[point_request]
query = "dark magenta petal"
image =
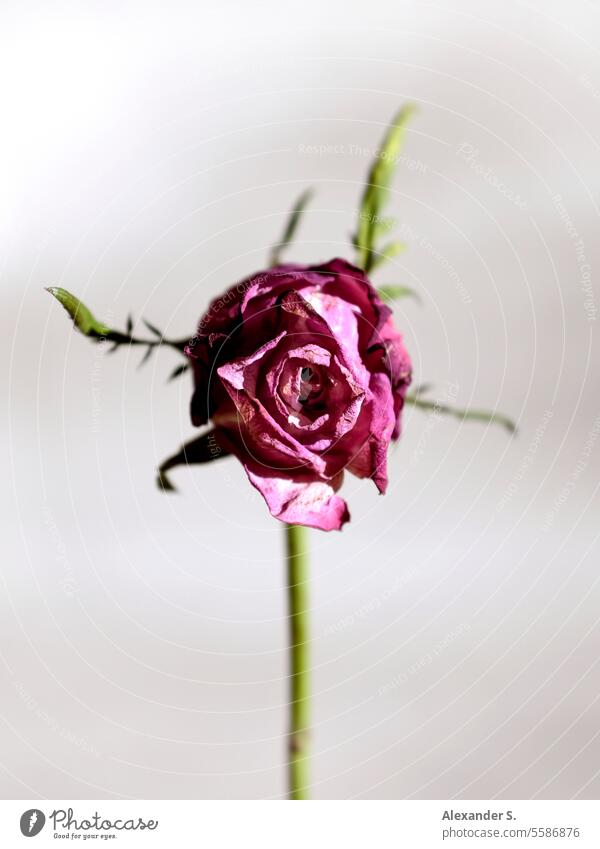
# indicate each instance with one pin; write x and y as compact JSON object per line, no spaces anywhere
{"x":389,"y":356}
{"x":260,"y":432}
{"x":370,"y":460}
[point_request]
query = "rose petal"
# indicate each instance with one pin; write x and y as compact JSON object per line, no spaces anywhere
{"x":259,"y":432}
{"x":390,"y":357}
{"x":312,"y":503}
{"x":346,"y":281}
{"x":370,"y":460}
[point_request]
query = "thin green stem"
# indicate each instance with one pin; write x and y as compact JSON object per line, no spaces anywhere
{"x":298,"y":739}
{"x":118,"y":338}
{"x":487,"y":416}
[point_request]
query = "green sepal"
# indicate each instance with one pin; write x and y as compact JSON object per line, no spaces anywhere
{"x":83,"y":319}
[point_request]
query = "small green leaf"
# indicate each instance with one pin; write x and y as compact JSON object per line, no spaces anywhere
{"x":177,"y":372}
{"x":487,"y":416}
{"x":152,"y":328}
{"x":83,"y":319}
{"x":376,"y":192}
{"x":383,"y":226}
{"x":291,"y":226}
{"x":146,"y":356}
{"x":395,"y":293}
{"x":389,"y":252}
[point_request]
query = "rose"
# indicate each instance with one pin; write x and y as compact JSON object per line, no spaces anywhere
{"x":303,"y":375}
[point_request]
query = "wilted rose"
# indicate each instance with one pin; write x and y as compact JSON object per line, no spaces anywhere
{"x":303,"y":374}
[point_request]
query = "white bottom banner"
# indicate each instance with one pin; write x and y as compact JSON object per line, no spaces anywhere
{"x":402,"y":824}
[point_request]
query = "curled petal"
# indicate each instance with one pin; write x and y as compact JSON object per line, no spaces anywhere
{"x":389,"y":356}
{"x":257,"y":430}
{"x":370,"y":461}
{"x":312,"y":503}
{"x":350,"y":283}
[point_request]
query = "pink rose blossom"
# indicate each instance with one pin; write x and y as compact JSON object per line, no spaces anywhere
{"x":303,"y":375}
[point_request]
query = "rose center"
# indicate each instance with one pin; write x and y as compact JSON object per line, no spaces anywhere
{"x":306,"y":384}
{"x":309,"y":385}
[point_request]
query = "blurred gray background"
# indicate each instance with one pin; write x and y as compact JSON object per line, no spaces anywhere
{"x":149,"y":155}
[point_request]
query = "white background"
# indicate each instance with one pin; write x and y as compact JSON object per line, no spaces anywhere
{"x":148,"y":156}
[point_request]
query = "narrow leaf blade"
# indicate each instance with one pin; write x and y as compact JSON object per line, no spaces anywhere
{"x":178,"y":371}
{"x":153,"y":329}
{"x":376,"y":191}
{"x":291,"y":226}
{"x":389,"y":252}
{"x":146,"y":356}
{"x":391,"y":293}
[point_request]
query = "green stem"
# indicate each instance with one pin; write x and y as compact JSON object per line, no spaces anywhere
{"x":488,"y":416}
{"x":298,"y":740}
